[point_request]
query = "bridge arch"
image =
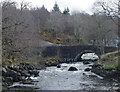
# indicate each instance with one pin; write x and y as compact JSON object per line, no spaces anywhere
{"x":72,"y":51}
{"x":79,"y":55}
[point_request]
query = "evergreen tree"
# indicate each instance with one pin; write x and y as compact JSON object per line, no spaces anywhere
{"x":66,"y":11}
{"x":56,"y":7}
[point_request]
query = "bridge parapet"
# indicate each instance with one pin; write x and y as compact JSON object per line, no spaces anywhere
{"x":69,"y":51}
{"x":73,"y":51}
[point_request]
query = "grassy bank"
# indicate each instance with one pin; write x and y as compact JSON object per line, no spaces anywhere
{"x":108,"y":66}
{"x":110,"y":60}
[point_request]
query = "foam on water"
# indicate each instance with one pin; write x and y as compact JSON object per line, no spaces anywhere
{"x":53,"y":78}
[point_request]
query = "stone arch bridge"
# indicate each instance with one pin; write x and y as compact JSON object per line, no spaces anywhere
{"x":74,"y":50}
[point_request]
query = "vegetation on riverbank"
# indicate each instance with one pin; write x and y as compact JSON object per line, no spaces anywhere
{"x":39,"y":61}
{"x":110,"y":60}
{"x":108,"y":66}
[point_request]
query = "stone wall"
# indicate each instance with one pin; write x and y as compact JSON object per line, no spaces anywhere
{"x":73,"y":51}
{"x":110,"y":49}
{"x":69,"y":51}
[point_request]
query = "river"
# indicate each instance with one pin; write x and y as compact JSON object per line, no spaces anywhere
{"x":53,"y":78}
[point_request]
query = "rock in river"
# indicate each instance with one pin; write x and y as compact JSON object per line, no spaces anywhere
{"x":87,"y":69}
{"x":58,"y":66}
{"x":86,"y":62}
{"x":72,"y":69}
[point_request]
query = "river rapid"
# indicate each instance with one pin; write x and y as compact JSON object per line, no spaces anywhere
{"x":53,"y":78}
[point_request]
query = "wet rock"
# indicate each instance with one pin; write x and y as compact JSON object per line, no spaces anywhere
{"x":25,"y":73}
{"x":21,"y":67}
{"x":20,"y":89}
{"x":23,"y":78}
{"x":28,"y":81}
{"x":83,"y":73}
{"x":97,"y":66}
{"x":10,"y":67}
{"x":58,"y":66}
{"x":11,"y":73}
{"x":72,"y":69}
{"x":34,"y":72}
{"x":87,"y":69}
{"x":93,"y":76}
{"x":4,"y":71}
{"x":90,"y":65}
{"x":3,"y":79}
{"x":15,"y":68}
{"x":86,"y":62}
{"x":16,"y":73}
{"x":30,"y":72}
{"x":118,"y":90}
{"x":31,"y":67}
{"x":19,"y":74}
{"x":9,"y":79}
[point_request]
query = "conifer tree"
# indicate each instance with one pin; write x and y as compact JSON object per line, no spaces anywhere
{"x":66,"y":11}
{"x":56,"y":7}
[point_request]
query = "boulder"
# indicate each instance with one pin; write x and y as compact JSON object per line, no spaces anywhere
{"x":58,"y":66}
{"x":4,"y":71}
{"x":87,"y":69}
{"x":25,"y":73}
{"x":23,"y":78}
{"x":83,"y":73}
{"x":97,"y":66}
{"x":34,"y":72}
{"x":16,"y":78}
{"x":9,"y":79}
{"x":11,"y":73}
{"x":86,"y":62}
{"x":10,"y":67}
{"x":16,"y":68}
{"x":28,"y":81}
{"x":72,"y":69}
{"x":30,"y":67}
{"x":16,"y":73}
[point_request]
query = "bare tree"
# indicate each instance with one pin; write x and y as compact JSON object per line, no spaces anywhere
{"x":40,"y":15}
{"x":56,"y":22}
{"x":109,"y":7}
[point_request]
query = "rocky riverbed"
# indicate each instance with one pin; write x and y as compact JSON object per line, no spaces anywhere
{"x":66,"y":76}
{"x":18,"y":73}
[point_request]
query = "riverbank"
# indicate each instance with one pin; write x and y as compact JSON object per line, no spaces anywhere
{"x":108,"y":66}
{"x":16,"y":69}
{"x":18,"y":73}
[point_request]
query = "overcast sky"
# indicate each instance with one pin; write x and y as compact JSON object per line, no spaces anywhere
{"x":73,"y":5}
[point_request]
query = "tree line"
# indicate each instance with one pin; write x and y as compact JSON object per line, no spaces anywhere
{"x":24,"y":26}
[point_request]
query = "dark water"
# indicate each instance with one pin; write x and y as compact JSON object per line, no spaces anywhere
{"x":53,"y":78}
